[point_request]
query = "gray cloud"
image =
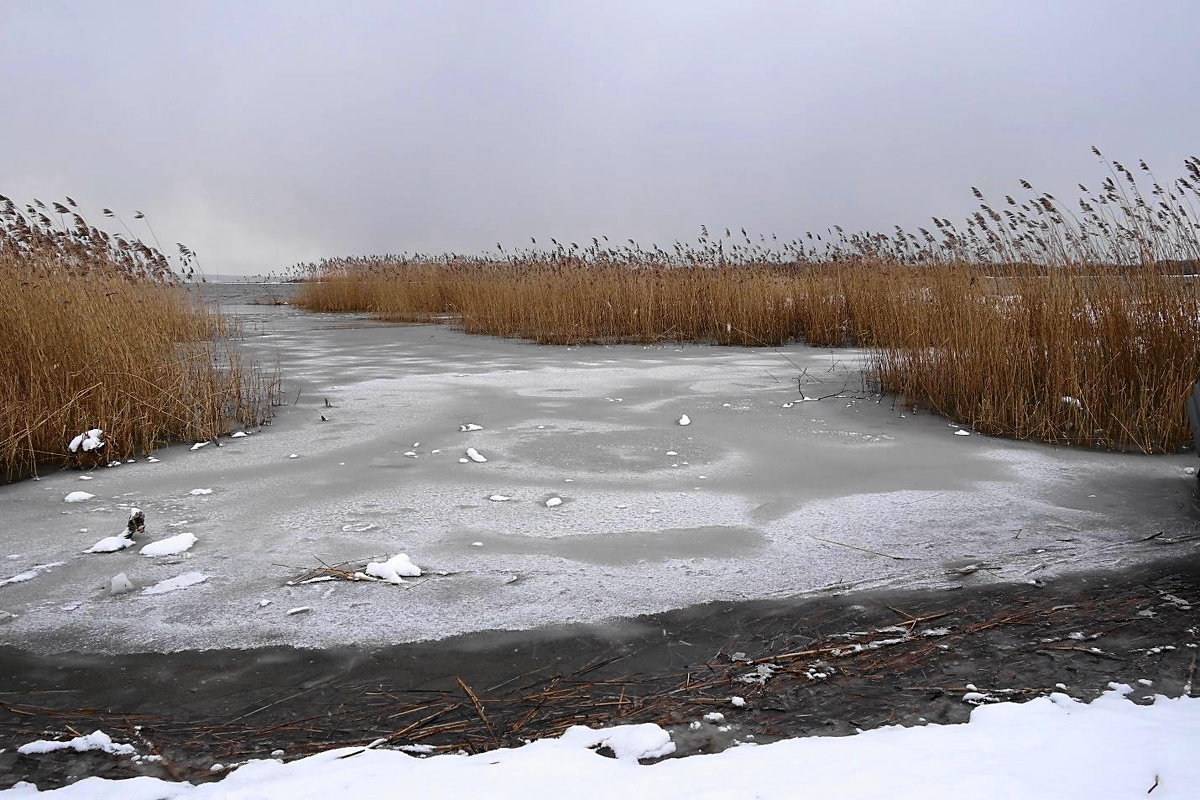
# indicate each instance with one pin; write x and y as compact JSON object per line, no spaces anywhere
{"x":267,"y":133}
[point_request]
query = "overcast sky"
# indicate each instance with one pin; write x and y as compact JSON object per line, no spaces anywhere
{"x":267,"y":133}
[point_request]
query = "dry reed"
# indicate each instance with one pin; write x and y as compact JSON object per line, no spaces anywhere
{"x":1034,"y":321}
{"x":98,"y":335}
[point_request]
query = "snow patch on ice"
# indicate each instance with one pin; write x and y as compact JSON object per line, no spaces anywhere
{"x":394,"y":570}
{"x":171,"y":546}
{"x":110,"y":544}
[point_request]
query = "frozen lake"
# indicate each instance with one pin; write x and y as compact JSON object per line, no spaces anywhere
{"x":762,"y":495}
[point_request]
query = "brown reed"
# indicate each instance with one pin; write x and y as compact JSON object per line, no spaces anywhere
{"x":1036,"y":322}
{"x":98,"y":334}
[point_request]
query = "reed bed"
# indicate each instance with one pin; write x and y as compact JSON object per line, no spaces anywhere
{"x":1032,"y":319}
{"x":98,"y":334}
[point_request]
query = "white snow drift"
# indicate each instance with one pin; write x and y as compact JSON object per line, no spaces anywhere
{"x":1052,"y":747}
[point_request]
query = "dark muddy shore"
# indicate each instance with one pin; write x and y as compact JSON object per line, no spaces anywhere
{"x":836,"y":664}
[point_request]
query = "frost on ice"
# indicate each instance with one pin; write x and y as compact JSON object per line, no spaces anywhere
{"x":394,"y":570}
{"x":178,"y":582}
{"x":31,"y":573}
{"x":171,"y":546}
{"x":97,"y":740}
{"x":78,"y":497}
{"x":87,"y":441}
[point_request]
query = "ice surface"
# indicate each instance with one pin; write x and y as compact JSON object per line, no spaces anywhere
{"x":171,"y":546}
{"x":855,"y":472}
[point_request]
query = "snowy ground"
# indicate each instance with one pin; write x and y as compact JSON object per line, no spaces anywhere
{"x":761,"y":495}
{"x":1051,"y":747}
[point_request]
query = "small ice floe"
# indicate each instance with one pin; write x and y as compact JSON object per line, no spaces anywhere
{"x":97,"y":740}
{"x":476,"y":544}
{"x":468,"y":427}
{"x":291,"y":612}
{"x":499,"y":498}
{"x":111,"y":544}
{"x":264,"y":603}
{"x":961,"y":432}
{"x":198,"y":445}
{"x":171,"y":546}
{"x":410,"y":454}
{"x":672,"y":453}
{"x":684,"y":419}
{"x":178,"y":582}
{"x":87,"y":441}
{"x":1072,"y":401}
{"x":464,"y":461}
{"x":787,"y":405}
{"x":554,"y":501}
{"x":394,"y":570}
{"x":85,"y":477}
{"x":31,"y":573}
{"x":198,"y":492}
{"x":475,"y":456}
{"x":120,"y":584}
{"x":78,"y":497}
{"x":238,"y":435}
{"x":152,"y":460}
{"x":294,"y":455}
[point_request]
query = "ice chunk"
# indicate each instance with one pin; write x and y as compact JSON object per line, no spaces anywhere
{"x":291,"y":612}
{"x":78,"y":497}
{"x":737,"y":702}
{"x":171,"y":546}
{"x":120,"y":584}
{"x":684,"y":419}
{"x":198,"y":445}
{"x":499,"y":498}
{"x":475,"y":456}
{"x":237,"y":435}
{"x":178,"y":582}
{"x":961,"y":432}
{"x":554,"y":501}
{"x":198,"y":492}
{"x":470,"y":426}
{"x":110,"y":544}
{"x":394,"y":570}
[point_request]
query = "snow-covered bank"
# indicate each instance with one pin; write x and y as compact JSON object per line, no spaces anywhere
{"x":1052,"y":747}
